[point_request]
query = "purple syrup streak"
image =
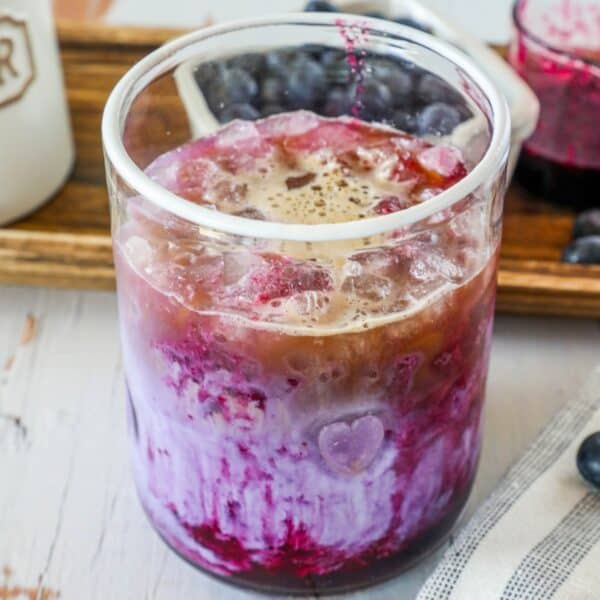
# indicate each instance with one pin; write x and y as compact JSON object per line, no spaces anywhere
{"x":354,"y":36}
{"x":243,"y":489}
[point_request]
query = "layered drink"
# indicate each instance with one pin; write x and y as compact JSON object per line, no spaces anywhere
{"x":306,"y":416}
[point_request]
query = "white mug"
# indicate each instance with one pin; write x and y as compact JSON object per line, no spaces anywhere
{"x":36,"y":146}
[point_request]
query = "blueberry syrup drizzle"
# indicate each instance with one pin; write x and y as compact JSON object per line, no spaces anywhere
{"x":354,"y":36}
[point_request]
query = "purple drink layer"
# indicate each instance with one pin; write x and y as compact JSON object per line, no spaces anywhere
{"x":303,"y":415}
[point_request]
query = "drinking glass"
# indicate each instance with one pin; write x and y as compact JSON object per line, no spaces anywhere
{"x":304,"y":398}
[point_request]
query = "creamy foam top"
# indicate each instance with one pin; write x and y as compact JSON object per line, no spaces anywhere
{"x":316,"y":189}
{"x":300,"y":168}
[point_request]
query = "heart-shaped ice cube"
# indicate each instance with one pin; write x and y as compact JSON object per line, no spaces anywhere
{"x":348,"y":449}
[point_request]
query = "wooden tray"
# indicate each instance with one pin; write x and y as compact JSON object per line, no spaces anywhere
{"x":67,"y":242}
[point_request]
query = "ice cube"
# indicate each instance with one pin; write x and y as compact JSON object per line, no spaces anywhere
{"x":295,"y":123}
{"x":226,"y":191}
{"x":430,"y":266}
{"x":380,"y":260}
{"x":139,"y":252}
{"x":367,"y":286}
{"x":407,"y":144}
{"x":185,"y":255}
{"x":198,"y":169}
{"x":284,"y":277}
{"x":360,"y":158}
{"x":238,"y":134}
{"x":352,"y":268}
{"x":442,"y":160}
{"x":269,"y":279}
{"x":236,"y":265}
{"x":194,"y":177}
{"x":312,"y":303}
{"x":165,"y":175}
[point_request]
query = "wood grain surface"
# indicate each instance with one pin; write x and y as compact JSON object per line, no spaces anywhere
{"x":66,"y":243}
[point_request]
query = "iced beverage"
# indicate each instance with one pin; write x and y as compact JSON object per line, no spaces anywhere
{"x":306,"y":416}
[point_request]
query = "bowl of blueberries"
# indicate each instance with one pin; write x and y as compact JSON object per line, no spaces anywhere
{"x":322,"y":79}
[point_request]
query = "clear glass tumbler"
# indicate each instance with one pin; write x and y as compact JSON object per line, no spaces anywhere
{"x":556,"y":49}
{"x":305,"y":393}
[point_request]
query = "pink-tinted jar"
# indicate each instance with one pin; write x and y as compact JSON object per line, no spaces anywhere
{"x":556,"y":49}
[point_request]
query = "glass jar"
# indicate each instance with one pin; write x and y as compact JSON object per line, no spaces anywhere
{"x":556,"y":49}
{"x":304,"y":398}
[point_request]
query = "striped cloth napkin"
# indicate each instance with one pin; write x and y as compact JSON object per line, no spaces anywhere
{"x":538,"y":535}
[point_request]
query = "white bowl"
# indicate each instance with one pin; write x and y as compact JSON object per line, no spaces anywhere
{"x":523,"y":104}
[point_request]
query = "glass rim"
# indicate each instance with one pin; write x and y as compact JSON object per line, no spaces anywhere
{"x":529,"y":34}
{"x":163,"y":59}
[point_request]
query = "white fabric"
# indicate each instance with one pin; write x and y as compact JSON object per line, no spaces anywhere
{"x":538,"y":535}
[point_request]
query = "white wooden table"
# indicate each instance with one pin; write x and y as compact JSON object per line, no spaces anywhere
{"x":70,"y":524}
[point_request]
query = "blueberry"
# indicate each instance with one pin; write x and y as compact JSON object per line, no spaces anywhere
{"x":398,"y":80}
{"x":380,"y":68}
{"x":438,"y":118}
{"x":205,"y":73}
{"x":271,"y":109}
{"x":330,"y":56}
{"x":306,"y":83}
{"x":252,"y":63}
{"x":588,"y":459}
{"x":238,"y":111}
{"x":272,"y":90}
{"x":412,"y":23}
{"x":374,"y":98}
{"x":415,"y":71}
{"x":432,"y":88}
{"x":277,"y":62}
{"x":583,"y":251}
{"x":400,"y":84}
{"x":587,"y":223}
{"x":337,"y":69}
{"x":232,"y":86}
{"x":242,"y":87}
{"x":319,"y":6}
{"x":405,"y":121}
{"x":338,"y":102}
